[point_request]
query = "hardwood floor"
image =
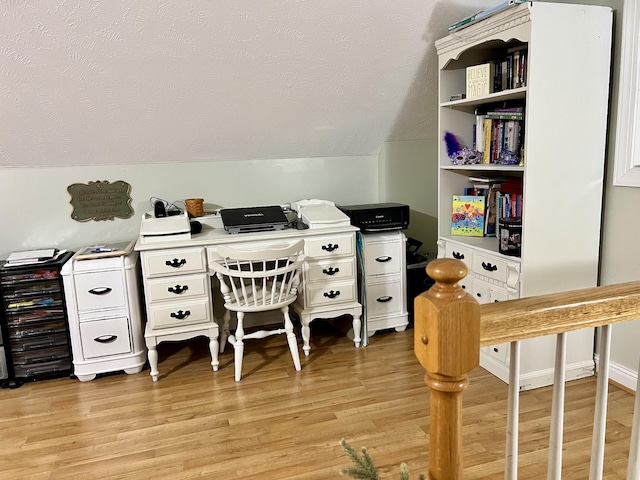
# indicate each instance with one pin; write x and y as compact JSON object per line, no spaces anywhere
{"x":281,"y":424}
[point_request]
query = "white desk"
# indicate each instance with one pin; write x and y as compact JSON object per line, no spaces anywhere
{"x":177,"y":287}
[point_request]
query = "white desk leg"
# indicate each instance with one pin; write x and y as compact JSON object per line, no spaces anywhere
{"x":214,"y":347}
{"x":305,"y":320}
{"x":357,"y":327}
{"x":152,"y":354}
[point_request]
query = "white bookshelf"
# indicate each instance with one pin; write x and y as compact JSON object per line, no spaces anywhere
{"x":566,"y":107}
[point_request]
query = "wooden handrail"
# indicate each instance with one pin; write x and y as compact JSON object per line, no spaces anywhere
{"x":450,"y":326}
{"x":558,"y":312}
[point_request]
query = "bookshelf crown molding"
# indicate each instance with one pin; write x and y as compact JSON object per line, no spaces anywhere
{"x":500,"y":26}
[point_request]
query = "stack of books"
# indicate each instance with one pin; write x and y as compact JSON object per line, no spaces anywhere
{"x":498,"y":132}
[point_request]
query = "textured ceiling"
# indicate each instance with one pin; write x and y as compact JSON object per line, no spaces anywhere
{"x":90,"y":82}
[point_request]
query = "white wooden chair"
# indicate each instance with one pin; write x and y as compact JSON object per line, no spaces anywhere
{"x":257,"y":281}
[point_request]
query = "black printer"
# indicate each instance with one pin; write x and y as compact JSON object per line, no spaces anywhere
{"x":378,"y":217}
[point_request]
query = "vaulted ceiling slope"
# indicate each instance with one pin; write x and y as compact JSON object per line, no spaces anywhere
{"x":98,"y":82}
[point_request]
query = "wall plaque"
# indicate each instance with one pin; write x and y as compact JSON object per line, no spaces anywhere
{"x":100,"y":200}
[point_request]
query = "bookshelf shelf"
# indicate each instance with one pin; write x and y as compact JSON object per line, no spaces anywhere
{"x":481,"y":167}
{"x":469,"y":105}
{"x":560,"y":178}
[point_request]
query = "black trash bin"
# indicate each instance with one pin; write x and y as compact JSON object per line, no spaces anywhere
{"x":417,"y":279}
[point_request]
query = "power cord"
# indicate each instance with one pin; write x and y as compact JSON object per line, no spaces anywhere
{"x":163,"y":208}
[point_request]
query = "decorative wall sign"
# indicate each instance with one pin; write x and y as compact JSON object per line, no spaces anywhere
{"x":100,"y":200}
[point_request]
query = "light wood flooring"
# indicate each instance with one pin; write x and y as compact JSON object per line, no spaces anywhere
{"x":281,"y":424}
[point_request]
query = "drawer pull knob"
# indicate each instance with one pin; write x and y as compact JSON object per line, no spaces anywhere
{"x":106,"y":339}
{"x":488,"y":267}
{"x":178,"y":289}
{"x":175,"y":263}
{"x":479,"y":295}
{"x":458,"y":256}
{"x":385,"y":299}
{"x":383,"y":259}
{"x":100,"y":291}
{"x":330,"y":247}
{"x":180,"y":315}
{"x":330,"y":271}
{"x":332,"y":294}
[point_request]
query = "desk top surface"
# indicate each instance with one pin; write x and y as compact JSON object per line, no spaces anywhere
{"x":218,"y":236}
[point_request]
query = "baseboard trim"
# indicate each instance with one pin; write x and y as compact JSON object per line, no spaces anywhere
{"x":620,"y":375}
{"x":539,"y":378}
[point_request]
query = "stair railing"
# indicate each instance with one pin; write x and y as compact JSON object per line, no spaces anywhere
{"x":449,"y":329}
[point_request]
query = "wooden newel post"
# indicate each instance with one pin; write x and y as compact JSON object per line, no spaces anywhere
{"x":447,"y":343}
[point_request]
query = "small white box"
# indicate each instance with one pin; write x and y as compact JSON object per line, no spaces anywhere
{"x":323,"y":216}
{"x":161,"y":229}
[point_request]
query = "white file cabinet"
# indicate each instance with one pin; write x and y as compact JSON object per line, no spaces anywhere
{"x":105,"y":321}
{"x":383,"y":257}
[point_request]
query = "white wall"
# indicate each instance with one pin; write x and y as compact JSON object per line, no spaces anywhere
{"x":620,"y":261}
{"x":36,"y":211}
{"x":409,"y":175}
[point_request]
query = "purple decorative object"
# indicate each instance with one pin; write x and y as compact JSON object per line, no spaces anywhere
{"x":466,"y":156}
{"x":507,"y":157}
{"x":458,"y":154}
{"x":452,"y":143}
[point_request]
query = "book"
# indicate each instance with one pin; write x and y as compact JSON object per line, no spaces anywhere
{"x":486,"y":180}
{"x":518,"y":56}
{"x":497,"y":115}
{"x":480,"y":80}
{"x":487,"y":131}
{"x":491,"y":210}
{"x":512,"y":136}
{"x":467,"y":215}
{"x":32,"y":257}
{"x":476,"y":17}
{"x":479,"y":133}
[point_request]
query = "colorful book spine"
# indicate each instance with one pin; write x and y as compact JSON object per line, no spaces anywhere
{"x":479,"y":133}
{"x":488,"y":130}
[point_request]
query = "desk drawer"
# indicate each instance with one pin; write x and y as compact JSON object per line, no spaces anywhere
{"x":382,"y":258}
{"x":330,"y":293}
{"x":105,"y":337}
{"x":453,"y":250}
{"x":176,"y":314}
{"x":330,"y":246}
{"x":492,"y":268}
{"x":174,"y":262}
{"x":329,"y":270}
{"x":178,"y":287}
{"x":99,"y":290}
{"x":384,"y":299}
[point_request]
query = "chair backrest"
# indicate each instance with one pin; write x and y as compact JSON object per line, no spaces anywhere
{"x":260,"y":279}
